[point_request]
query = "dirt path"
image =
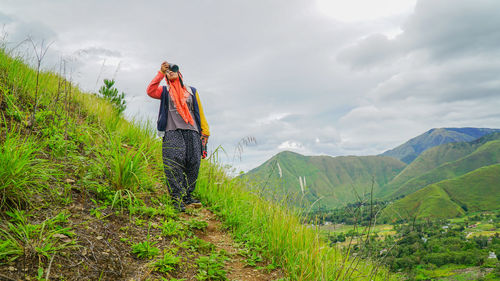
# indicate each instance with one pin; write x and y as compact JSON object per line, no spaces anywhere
{"x":103,"y":241}
{"x":236,"y":266}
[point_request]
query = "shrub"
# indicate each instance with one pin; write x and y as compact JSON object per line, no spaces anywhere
{"x":110,"y":93}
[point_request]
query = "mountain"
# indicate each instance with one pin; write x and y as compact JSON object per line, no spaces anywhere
{"x":324,"y":182}
{"x":443,"y":162}
{"x":331,"y":181}
{"x":411,"y":149}
{"x":487,"y":154}
{"x":478,"y":190}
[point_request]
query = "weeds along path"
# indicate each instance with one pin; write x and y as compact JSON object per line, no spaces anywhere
{"x":237,"y":266}
{"x":101,"y":243}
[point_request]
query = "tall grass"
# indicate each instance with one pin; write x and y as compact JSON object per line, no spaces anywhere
{"x":21,"y":171}
{"x":280,"y":231}
{"x":126,"y":168}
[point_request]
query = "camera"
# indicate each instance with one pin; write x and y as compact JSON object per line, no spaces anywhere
{"x":173,"y":67}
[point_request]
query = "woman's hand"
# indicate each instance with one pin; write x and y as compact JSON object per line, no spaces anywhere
{"x":164,"y":67}
{"x":204,"y":141}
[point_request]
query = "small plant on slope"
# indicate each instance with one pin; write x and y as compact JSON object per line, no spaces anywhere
{"x":145,"y":249}
{"x":167,"y":263}
{"x":111,"y":94}
{"x":197,"y":224}
{"x":34,"y":240}
{"x":211,"y":267}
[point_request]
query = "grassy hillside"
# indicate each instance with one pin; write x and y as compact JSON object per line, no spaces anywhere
{"x":82,"y":196}
{"x":433,"y":158}
{"x":486,"y":154}
{"x":329,"y":181}
{"x":410,"y":150}
{"x":478,"y":190}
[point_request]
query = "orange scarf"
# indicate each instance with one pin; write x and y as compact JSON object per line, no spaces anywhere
{"x":179,"y":94}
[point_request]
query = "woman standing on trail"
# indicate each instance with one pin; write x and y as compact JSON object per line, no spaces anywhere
{"x":182,"y":124}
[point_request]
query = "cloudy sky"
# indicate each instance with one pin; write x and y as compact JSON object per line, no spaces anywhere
{"x":323,"y":77}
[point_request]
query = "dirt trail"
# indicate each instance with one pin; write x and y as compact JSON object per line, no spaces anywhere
{"x":102,"y":249}
{"x":236,"y":267}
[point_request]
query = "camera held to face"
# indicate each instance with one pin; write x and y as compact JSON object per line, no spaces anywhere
{"x":173,"y":67}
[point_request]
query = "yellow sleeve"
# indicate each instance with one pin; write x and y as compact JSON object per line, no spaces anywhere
{"x":204,"y":125}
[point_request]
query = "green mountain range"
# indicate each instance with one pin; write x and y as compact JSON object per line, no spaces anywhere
{"x":411,"y":149}
{"x":478,"y":190}
{"x":324,"y":182}
{"x":444,"y":162}
{"x":334,"y":181}
{"x":485,"y":155}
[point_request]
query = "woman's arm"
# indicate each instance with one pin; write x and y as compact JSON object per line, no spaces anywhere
{"x":154,"y":90}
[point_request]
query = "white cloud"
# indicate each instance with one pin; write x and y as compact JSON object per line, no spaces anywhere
{"x":292,"y":74}
{"x":291,"y":145}
{"x":364,"y":10}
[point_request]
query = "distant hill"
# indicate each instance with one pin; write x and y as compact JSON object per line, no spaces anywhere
{"x":487,"y":154}
{"x":478,"y":190}
{"x":411,"y":149}
{"x":331,"y":181}
{"x":443,"y":162}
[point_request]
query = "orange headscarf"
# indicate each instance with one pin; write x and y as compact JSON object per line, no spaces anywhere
{"x":179,"y":94}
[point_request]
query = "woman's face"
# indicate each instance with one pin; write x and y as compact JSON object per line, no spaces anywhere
{"x":172,"y":75}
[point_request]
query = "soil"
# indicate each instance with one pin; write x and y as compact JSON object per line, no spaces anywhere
{"x":102,"y":248}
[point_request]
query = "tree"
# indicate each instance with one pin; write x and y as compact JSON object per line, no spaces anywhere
{"x":111,"y":94}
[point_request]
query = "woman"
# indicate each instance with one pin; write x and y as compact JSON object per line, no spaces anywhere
{"x":185,"y":132}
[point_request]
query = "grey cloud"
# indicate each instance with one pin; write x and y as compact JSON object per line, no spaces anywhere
{"x":451,"y":28}
{"x":375,"y":50}
{"x":15,"y":33}
{"x":18,"y":30}
{"x":5,"y":19}
{"x":462,"y":79}
{"x":440,"y":72}
{"x":445,"y":29}
{"x":252,"y":59}
{"x":391,"y":123}
{"x":37,"y":31}
{"x":98,"y":52}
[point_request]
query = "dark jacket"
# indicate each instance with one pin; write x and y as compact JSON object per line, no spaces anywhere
{"x":164,"y":106}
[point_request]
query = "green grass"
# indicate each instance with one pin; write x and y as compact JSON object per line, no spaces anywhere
{"x":145,"y":249}
{"x":21,"y":170}
{"x":41,"y":240}
{"x":168,"y":263}
{"x":279,"y":233}
{"x":212,"y":267}
{"x":380,"y":229}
